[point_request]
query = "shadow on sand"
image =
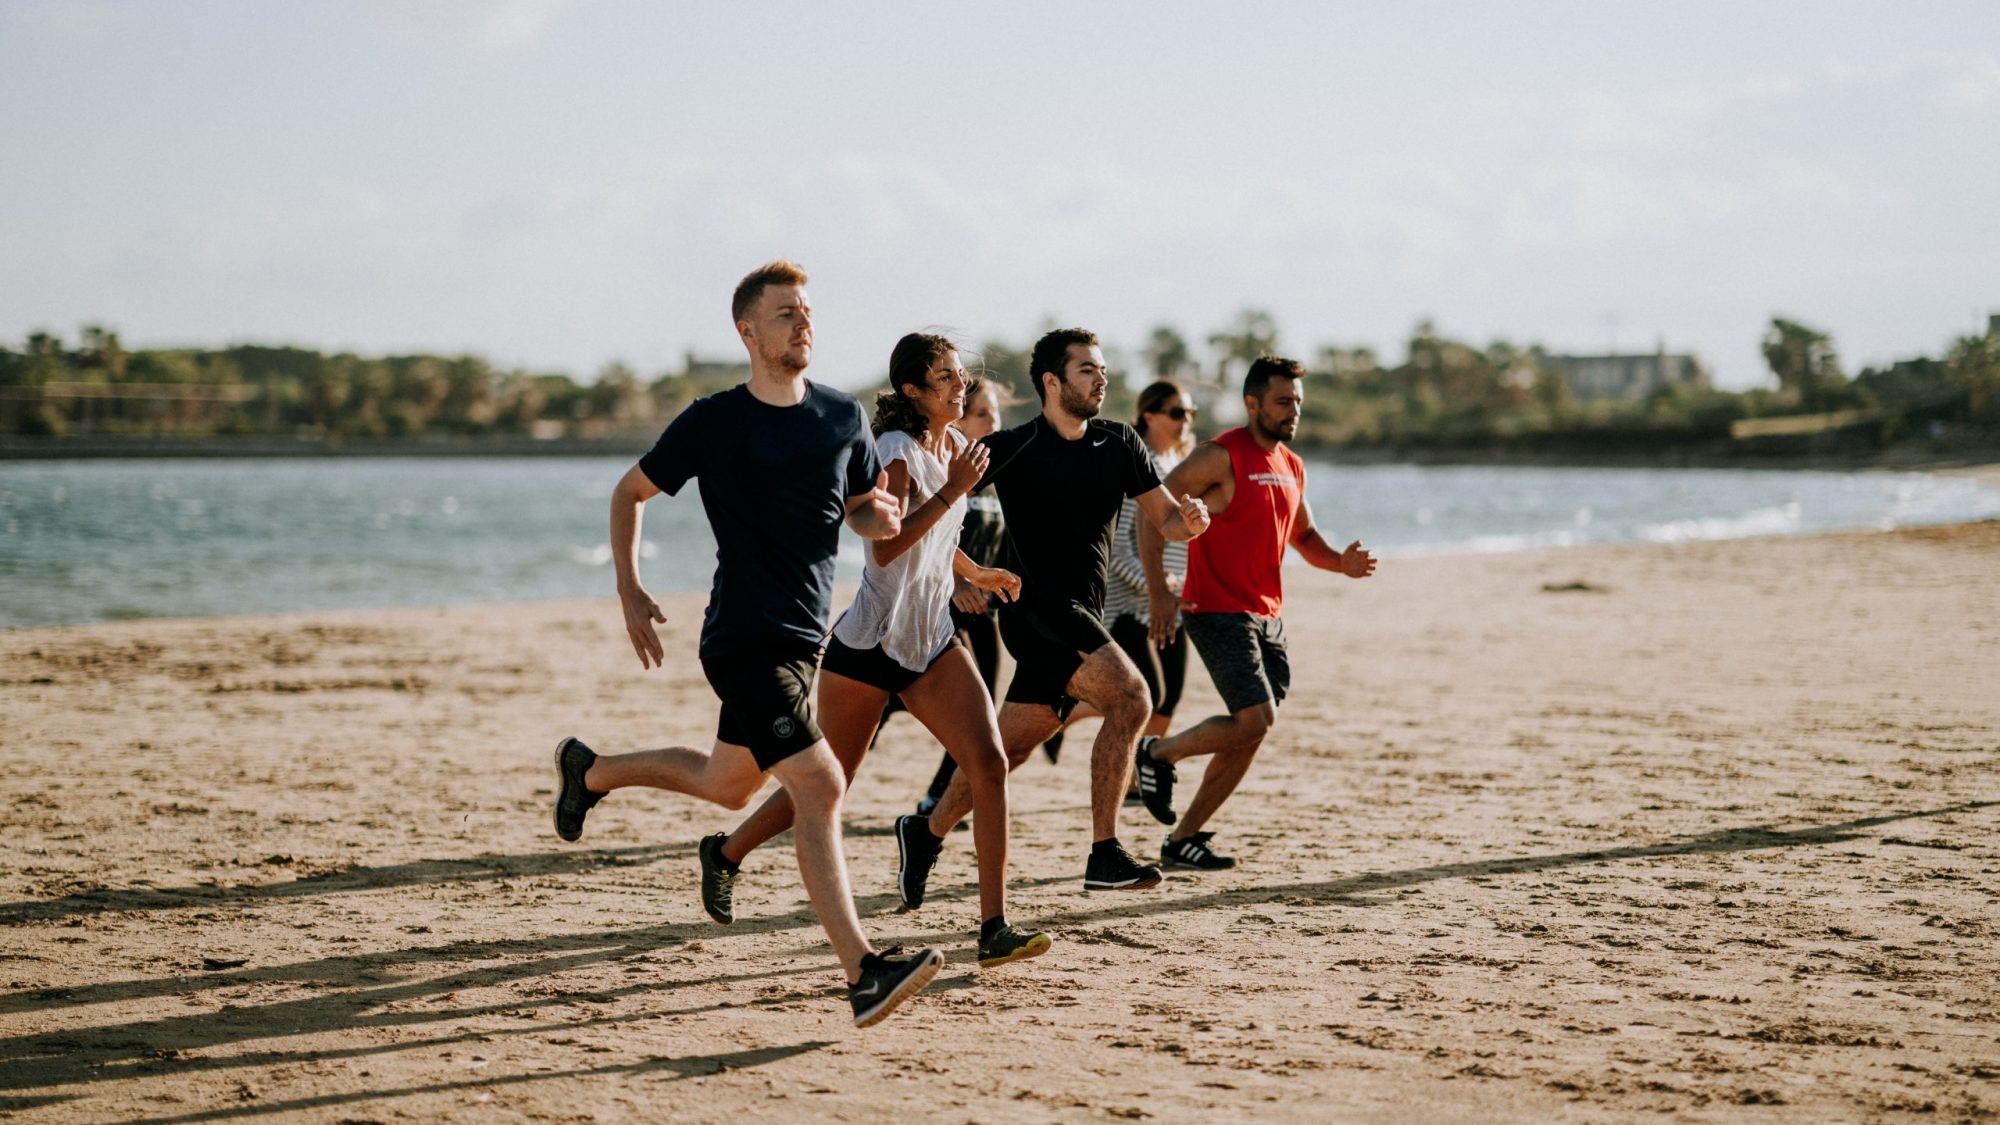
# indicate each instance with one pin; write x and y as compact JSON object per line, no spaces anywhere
{"x":40,"y":1065}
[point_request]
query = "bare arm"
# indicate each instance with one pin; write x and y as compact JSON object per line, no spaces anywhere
{"x":877,"y":513}
{"x":988,"y":579}
{"x":1313,"y":547}
{"x":962,"y":472}
{"x":1196,"y":477}
{"x":628,"y":506}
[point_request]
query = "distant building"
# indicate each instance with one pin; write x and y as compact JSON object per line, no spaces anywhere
{"x":1629,"y":378}
{"x":716,"y":370}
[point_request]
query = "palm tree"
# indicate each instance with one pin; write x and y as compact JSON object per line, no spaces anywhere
{"x":1166,"y":352}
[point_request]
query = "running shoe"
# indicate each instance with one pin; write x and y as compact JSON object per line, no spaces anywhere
{"x":1156,"y":782}
{"x":1009,"y":945}
{"x":916,"y":853}
{"x":887,"y":980}
{"x":573,"y":760}
{"x":1112,"y":868}
{"x":926,"y":805}
{"x":718,"y":879}
{"x":1194,"y":852}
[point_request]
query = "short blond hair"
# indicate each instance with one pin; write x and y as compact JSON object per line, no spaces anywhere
{"x":780,"y":272}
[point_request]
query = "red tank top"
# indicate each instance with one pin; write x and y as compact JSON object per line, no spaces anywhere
{"x":1233,"y":566}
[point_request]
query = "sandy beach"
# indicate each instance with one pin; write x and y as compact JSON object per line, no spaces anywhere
{"x":1701,"y":833}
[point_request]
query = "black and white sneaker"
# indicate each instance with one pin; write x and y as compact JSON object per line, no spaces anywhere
{"x":718,"y":879}
{"x":573,"y":760}
{"x":1112,"y":868}
{"x":916,"y":853}
{"x":1156,"y":782}
{"x":1194,"y":852}
{"x":887,"y":980}
{"x":926,"y":804}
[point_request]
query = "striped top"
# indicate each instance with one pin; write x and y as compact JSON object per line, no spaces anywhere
{"x":1125,"y":592}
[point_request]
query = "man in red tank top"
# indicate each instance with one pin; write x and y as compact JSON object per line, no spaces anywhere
{"x":1254,"y":487}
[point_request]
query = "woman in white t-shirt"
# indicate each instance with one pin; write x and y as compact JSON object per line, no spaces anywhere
{"x":898,"y":637}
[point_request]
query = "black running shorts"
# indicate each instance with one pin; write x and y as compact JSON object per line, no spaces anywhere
{"x":766,"y":690}
{"x":1245,"y":656}
{"x":874,"y":667}
{"x":1049,"y":643}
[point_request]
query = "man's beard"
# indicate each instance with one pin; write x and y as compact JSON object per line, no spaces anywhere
{"x":1275,"y":433}
{"x":1076,"y":403}
{"x":783,"y":360}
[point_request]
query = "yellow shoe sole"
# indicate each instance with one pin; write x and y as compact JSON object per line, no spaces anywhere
{"x":1035,"y":947}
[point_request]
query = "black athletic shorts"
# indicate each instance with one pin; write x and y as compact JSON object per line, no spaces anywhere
{"x":765,"y":685}
{"x":1245,"y":656}
{"x":1049,"y":643}
{"x":874,"y":667}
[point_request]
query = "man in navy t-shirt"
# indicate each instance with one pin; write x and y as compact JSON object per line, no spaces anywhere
{"x":781,"y":463}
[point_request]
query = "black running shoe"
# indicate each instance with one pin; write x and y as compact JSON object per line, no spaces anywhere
{"x":1010,"y":945}
{"x":916,"y":853}
{"x":887,"y":980}
{"x":1156,"y":782}
{"x":718,"y":879}
{"x":1112,"y":868}
{"x":926,"y":805}
{"x":1194,"y":852}
{"x":573,"y":760}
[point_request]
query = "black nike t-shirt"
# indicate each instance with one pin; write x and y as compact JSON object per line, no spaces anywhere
{"x":1061,"y":500}
{"x":774,"y":482}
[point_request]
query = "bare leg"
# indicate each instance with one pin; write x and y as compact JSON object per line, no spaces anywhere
{"x":1109,"y":681}
{"x":727,"y":775}
{"x":849,"y":712}
{"x":814,"y":779}
{"x":1157,"y":724}
{"x":1023,"y":726}
{"x":1233,"y":740}
{"x":951,"y":700}
{"x":1219,"y":733}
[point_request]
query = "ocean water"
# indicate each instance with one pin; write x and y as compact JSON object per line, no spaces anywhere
{"x":97,"y":540}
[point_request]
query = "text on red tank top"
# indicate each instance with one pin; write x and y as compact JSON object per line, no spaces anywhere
{"x":1234,"y":567}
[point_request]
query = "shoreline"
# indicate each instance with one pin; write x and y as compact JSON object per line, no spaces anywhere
{"x":1987,"y":475}
{"x":1906,"y":456}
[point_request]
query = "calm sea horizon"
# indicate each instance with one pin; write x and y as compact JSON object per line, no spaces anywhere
{"x":88,"y":541}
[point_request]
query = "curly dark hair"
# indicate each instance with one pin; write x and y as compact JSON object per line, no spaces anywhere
{"x":909,"y":366}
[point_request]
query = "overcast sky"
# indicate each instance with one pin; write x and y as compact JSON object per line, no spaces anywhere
{"x":558,"y":185}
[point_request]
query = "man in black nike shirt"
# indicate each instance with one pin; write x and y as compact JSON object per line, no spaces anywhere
{"x":1061,"y":479}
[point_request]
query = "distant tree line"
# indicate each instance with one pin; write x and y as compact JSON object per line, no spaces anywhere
{"x":1445,"y":393}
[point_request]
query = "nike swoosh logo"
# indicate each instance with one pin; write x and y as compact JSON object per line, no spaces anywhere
{"x":873,"y":988}
{"x":1098,"y":442}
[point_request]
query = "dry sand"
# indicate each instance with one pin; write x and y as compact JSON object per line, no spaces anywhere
{"x":1708,"y":837}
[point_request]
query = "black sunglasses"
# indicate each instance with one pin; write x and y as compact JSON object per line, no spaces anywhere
{"x":1179,"y":413}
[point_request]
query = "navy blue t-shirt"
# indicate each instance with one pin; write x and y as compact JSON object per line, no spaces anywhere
{"x":774,"y":482}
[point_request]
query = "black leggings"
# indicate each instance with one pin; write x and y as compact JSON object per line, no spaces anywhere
{"x":981,"y":634}
{"x":1163,"y":669}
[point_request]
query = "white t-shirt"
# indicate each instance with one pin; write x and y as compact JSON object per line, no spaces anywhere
{"x":906,"y":606}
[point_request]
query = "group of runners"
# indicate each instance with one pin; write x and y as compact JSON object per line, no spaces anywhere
{"x":782,"y":462}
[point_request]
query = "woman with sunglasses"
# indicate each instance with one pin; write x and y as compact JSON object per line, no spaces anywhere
{"x":898,"y":638}
{"x":1166,"y":422}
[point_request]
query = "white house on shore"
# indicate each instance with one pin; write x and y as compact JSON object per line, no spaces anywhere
{"x":1629,"y":378}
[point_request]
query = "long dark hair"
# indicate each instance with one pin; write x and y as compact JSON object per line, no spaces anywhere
{"x":1155,"y":396}
{"x":909,"y":366}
